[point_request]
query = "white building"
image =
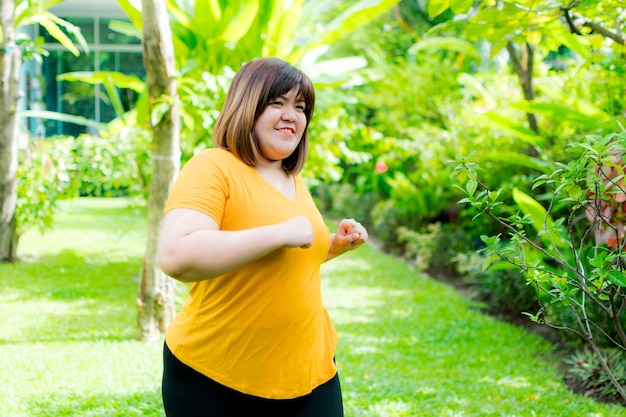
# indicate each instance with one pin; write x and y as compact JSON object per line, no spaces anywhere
{"x":108,"y":51}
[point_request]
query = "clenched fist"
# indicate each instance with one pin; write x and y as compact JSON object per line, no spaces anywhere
{"x":297,"y":232}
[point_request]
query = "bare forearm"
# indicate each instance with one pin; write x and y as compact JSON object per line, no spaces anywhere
{"x":333,"y":249}
{"x":193,"y":248}
{"x":205,"y":254}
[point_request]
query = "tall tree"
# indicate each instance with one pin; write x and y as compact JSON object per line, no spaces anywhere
{"x":156,"y":290}
{"x":10,"y":66}
{"x":15,"y":47}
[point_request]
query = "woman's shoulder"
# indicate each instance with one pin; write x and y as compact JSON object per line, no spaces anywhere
{"x":214,"y":157}
{"x":216,"y":154}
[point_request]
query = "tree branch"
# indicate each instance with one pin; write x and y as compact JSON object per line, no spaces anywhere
{"x":571,"y":19}
{"x":616,"y":36}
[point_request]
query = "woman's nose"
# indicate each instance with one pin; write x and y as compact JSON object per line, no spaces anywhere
{"x":289,"y":113}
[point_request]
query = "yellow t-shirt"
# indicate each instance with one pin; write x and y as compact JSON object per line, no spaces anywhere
{"x":260,"y":329}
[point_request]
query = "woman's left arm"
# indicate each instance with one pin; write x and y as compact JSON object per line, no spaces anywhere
{"x":350,"y":235}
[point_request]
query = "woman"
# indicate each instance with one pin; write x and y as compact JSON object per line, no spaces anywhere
{"x":240,"y":225}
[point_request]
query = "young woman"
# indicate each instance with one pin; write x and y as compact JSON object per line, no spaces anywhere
{"x":253,"y":338}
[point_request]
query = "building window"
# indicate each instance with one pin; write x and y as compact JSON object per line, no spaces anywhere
{"x":108,"y":51}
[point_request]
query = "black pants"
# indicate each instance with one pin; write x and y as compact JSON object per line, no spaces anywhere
{"x":188,"y":393}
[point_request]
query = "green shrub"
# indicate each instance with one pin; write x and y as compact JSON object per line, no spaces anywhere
{"x":44,"y":176}
{"x":580,"y":275}
{"x":504,"y":290}
{"x":585,"y":373}
{"x":113,"y":166}
{"x":418,"y":248}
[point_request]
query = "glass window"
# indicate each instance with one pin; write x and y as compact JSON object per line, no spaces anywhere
{"x":75,"y":98}
{"x":130,"y":63}
{"x":84,"y":99}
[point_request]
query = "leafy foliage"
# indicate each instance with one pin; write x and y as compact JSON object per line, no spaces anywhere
{"x":586,"y":372}
{"x":43,"y":178}
{"x":113,"y":166}
{"x":575,"y":270}
{"x":60,"y":168}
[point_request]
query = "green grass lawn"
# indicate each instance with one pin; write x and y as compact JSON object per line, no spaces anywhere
{"x":409,"y":346}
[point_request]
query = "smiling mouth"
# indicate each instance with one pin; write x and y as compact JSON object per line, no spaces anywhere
{"x":287,"y":129}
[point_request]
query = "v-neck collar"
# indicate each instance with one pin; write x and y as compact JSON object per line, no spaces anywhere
{"x":277,"y":190}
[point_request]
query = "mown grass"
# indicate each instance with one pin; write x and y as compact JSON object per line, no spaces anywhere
{"x":409,"y":346}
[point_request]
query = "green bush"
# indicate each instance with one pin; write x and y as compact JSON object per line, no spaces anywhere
{"x":112,"y":166}
{"x":586,"y":374}
{"x":65,"y":167}
{"x":579,"y":274}
{"x":44,"y":176}
{"x":505,"y":290}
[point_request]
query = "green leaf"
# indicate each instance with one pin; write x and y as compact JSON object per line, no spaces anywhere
{"x":114,"y":96}
{"x":617,"y":277}
{"x":562,"y":112}
{"x":486,"y":263}
{"x":359,"y":14}
{"x":446,"y":43}
{"x":493,"y":195}
{"x":461,"y":6}
{"x":436,"y":7}
{"x":55,"y":31}
{"x":522,"y":160}
{"x":490,"y":240}
{"x":541,"y":221}
{"x":158,"y":111}
{"x":100,"y":77}
{"x":239,"y":26}
{"x":281,"y":28}
{"x":470,"y":186}
{"x":125,"y":28}
{"x":207,"y":19}
{"x":599,"y":261}
{"x":63,"y":117}
{"x":132,"y":9}
{"x":497,"y":121}
{"x":215,"y":9}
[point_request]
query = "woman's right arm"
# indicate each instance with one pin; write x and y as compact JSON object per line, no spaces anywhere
{"x":192,"y":248}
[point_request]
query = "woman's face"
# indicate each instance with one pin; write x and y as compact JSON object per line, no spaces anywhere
{"x":280,"y":127}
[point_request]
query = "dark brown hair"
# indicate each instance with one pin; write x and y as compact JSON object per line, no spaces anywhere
{"x":255,"y":85}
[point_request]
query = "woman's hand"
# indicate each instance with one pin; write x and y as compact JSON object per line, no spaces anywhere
{"x":350,"y":235}
{"x":297,"y":232}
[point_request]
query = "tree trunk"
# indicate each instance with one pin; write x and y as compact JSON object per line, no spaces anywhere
{"x":156,"y":290}
{"x":10,"y":66}
{"x":523,"y":65}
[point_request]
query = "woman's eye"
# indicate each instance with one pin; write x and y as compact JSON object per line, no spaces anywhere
{"x":300,"y":107}
{"x":277,"y":103}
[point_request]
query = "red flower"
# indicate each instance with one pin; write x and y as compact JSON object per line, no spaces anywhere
{"x":381,"y":167}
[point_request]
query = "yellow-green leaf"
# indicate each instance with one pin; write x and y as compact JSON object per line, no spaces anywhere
{"x":158,"y":111}
{"x":461,"y":6}
{"x":436,"y":7}
{"x":239,"y":26}
{"x":541,"y":220}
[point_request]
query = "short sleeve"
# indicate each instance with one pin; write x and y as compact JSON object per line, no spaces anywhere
{"x":201,"y":185}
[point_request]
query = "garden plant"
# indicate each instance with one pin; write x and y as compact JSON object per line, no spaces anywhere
{"x":572,"y":253}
